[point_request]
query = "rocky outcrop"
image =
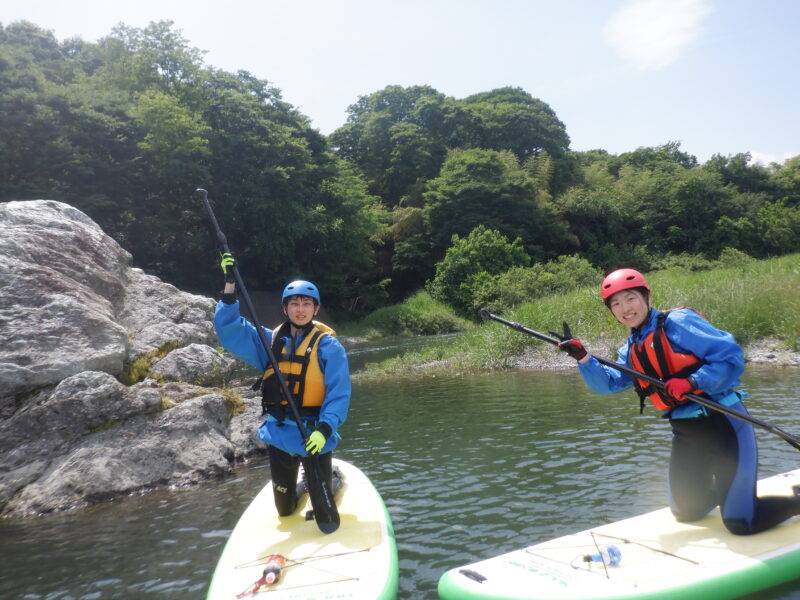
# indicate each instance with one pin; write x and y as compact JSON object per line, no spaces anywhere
{"x":73,"y":315}
{"x":63,"y":282}
{"x":196,"y":364}
{"x":154,"y":313}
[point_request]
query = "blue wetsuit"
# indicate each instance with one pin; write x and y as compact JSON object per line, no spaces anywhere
{"x":714,"y":459}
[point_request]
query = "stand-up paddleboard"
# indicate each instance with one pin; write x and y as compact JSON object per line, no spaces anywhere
{"x":657,"y":558}
{"x":358,"y":560}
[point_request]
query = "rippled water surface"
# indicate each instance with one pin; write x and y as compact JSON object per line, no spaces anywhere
{"x":469,"y":467}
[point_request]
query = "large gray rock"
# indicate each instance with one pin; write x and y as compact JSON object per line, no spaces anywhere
{"x":177,"y":446}
{"x":71,"y":301}
{"x":154,"y":313}
{"x":73,"y":313}
{"x":196,"y":363}
{"x":62,"y":281}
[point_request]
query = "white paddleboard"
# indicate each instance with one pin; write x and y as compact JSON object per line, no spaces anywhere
{"x":358,"y":560}
{"x":659,"y":559}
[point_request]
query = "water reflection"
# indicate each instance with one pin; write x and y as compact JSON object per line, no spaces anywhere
{"x":360,"y":353}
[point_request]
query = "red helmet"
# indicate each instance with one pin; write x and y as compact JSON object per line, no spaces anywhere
{"x":622,"y":279}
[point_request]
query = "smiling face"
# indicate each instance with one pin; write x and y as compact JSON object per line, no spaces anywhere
{"x":629,"y":307}
{"x":300,"y":310}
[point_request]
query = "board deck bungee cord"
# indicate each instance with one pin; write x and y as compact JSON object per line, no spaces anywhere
{"x":358,"y":560}
{"x":659,"y":559}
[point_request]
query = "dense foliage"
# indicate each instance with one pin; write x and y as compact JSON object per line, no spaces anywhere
{"x":126,"y":128}
{"x":469,"y":261}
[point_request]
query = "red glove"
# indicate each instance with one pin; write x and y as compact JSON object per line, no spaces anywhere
{"x":574,"y":348}
{"x":677,"y":387}
{"x":569,"y":344}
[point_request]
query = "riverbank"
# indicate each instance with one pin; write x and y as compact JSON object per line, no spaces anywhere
{"x":446,"y":360}
{"x":767,"y":353}
{"x":763,"y":353}
{"x":756,"y":302}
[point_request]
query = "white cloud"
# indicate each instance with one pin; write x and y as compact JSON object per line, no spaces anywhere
{"x":652,"y":34}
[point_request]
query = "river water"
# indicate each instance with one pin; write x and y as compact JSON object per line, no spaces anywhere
{"x":469,"y":467}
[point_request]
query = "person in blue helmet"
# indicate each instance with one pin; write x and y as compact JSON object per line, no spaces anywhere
{"x":314,"y":364}
{"x":714,"y":458}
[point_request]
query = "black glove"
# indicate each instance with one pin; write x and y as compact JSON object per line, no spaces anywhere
{"x":227,"y":262}
{"x":569,"y":344}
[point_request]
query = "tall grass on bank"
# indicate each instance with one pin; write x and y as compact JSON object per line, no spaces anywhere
{"x":753,"y":301}
{"x":418,"y":315}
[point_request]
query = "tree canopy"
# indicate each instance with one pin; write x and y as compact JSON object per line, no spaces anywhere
{"x":126,"y":129}
{"x":413,"y":182}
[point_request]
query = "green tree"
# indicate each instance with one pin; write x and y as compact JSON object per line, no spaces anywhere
{"x":603,"y":220}
{"x":60,"y":137}
{"x":779,"y":228}
{"x":486,"y":187}
{"x":172,"y":154}
{"x":337,"y":248}
{"x":693,"y":211}
{"x":524,"y":284}
{"x":127,"y":128}
{"x":31,"y":149}
{"x":266,"y":168}
{"x":410,"y":250}
{"x":134,"y":60}
{"x":787,"y":180}
{"x":511,"y":119}
{"x":738,"y":172}
{"x":668,"y":157}
{"x":484,"y":252}
{"x":397,"y":137}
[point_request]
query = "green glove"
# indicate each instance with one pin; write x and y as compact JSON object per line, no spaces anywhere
{"x":315,"y":442}
{"x":227,"y":263}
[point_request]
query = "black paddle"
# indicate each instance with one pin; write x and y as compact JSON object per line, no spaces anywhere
{"x":791,"y":439}
{"x":325,"y":512}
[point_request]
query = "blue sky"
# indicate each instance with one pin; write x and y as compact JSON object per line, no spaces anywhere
{"x":719,"y":76}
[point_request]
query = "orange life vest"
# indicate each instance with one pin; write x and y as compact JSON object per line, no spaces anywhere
{"x":301,"y":370}
{"x":655,"y":357}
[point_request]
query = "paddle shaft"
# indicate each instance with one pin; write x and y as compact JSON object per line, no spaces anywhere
{"x":711,"y":404}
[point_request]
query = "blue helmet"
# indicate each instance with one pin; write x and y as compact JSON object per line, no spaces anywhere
{"x":301,"y":288}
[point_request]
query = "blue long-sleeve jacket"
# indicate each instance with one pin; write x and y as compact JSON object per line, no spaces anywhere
{"x":239,"y":337}
{"x":688,"y":332}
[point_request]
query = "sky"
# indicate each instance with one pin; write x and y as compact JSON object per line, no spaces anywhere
{"x":718,"y":76}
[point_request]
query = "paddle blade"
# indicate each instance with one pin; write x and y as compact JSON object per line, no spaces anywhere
{"x":319,"y":492}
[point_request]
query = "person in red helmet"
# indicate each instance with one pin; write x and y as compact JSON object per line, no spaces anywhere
{"x":713,"y":461}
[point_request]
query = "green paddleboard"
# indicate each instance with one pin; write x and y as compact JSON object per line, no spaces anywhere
{"x":659,"y":559}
